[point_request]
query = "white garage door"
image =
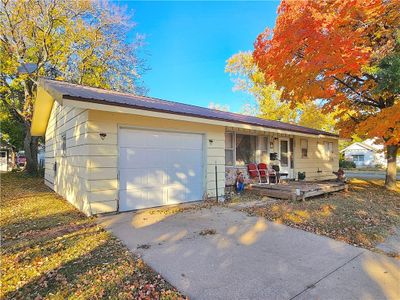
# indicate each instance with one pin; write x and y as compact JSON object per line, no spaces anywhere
{"x":159,"y":168}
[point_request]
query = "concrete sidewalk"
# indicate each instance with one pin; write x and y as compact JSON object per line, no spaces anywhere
{"x":250,"y":258}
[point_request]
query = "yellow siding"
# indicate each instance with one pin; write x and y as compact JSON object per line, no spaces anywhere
{"x":70,"y":180}
{"x":87,"y":174}
{"x":103,"y":154}
{"x":318,"y":166}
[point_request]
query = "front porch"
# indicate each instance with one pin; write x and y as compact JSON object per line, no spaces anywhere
{"x":298,"y":190}
{"x":300,"y":156}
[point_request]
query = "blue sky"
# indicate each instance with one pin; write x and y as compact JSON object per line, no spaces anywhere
{"x":189,"y":42}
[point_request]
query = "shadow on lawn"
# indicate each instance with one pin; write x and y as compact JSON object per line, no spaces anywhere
{"x":104,"y":271}
{"x":55,"y":281}
{"x":46,"y":239}
{"x":20,"y":228}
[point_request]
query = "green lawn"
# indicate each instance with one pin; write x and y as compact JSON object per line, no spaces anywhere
{"x":51,"y":250}
{"x":363,"y":216}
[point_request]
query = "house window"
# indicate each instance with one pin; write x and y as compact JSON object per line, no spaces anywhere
{"x":263,"y":147}
{"x":304,"y":148}
{"x":245,"y":149}
{"x":328,"y":146}
{"x":229,"y":149}
{"x":358,"y":158}
{"x":64,"y":145}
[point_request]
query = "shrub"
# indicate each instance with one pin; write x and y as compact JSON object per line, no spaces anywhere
{"x":346,"y":164}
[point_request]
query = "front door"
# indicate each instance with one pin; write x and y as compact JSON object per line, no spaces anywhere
{"x":284,"y":153}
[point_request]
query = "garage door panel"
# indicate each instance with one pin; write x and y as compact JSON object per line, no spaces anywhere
{"x":163,"y":140}
{"x":176,"y":194}
{"x":140,"y":158}
{"x":141,"y":198}
{"x":177,"y":178}
{"x":184,"y":156}
{"x":135,"y":178}
{"x":141,"y":139}
{"x":192,"y":194}
{"x":195,"y":172}
{"x":158,"y":168}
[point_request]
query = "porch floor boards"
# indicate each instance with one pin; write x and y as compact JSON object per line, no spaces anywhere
{"x":307,"y":189}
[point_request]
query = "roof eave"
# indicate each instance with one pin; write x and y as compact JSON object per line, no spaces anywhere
{"x":41,"y":112}
{"x":134,"y":109}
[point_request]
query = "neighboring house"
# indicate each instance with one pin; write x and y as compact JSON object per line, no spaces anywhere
{"x":366,"y":154}
{"x":108,"y":151}
{"x":7,"y":155}
{"x":4,"y":159}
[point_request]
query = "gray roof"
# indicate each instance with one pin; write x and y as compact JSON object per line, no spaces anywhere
{"x":108,"y":97}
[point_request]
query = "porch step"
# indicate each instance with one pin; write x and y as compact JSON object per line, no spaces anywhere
{"x":298,"y":190}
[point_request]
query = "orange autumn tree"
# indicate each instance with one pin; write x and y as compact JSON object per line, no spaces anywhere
{"x":346,"y":54}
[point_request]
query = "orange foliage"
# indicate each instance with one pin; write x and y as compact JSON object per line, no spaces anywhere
{"x":330,"y":50}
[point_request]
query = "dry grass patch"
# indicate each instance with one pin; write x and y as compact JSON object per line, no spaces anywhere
{"x":363,"y":216}
{"x":51,"y":250}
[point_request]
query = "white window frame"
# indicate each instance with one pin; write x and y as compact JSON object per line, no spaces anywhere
{"x":255,"y":154}
{"x":258,"y":148}
{"x":358,"y":157}
{"x":233,"y":149}
{"x":301,"y":148}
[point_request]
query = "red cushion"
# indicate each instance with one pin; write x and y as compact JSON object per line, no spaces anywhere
{"x":262,"y":168}
{"x":252,"y":169}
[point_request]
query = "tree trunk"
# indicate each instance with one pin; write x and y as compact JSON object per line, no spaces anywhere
{"x":391,"y":170}
{"x":31,"y":150}
{"x":13,"y":159}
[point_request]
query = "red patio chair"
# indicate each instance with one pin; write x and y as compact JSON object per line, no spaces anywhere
{"x":265,"y":172}
{"x":253,"y":171}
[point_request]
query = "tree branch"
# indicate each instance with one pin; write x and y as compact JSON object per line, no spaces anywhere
{"x":369,"y":100}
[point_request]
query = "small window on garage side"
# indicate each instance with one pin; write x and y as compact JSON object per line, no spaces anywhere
{"x":229,"y":149}
{"x":64,"y":144}
{"x":328,"y":146}
{"x":304,"y":148}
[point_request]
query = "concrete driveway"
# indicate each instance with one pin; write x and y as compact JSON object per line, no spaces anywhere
{"x":250,"y":258}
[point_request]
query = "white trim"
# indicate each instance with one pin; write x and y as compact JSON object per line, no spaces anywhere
{"x":287,"y":139}
{"x":233,"y":149}
{"x":257,"y":150}
{"x":367,"y":147}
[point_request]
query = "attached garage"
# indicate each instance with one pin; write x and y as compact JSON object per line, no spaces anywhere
{"x":159,"y":168}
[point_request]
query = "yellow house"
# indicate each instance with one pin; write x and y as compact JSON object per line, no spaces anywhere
{"x":108,"y":151}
